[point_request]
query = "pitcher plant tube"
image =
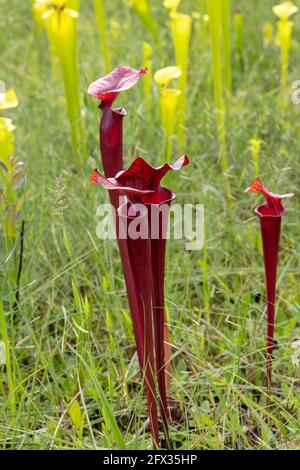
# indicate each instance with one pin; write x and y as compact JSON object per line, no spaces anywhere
{"x":12,"y":172}
{"x":148,"y":206}
{"x":181,"y":28}
{"x":143,"y":10}
{"x":215,"y":21}
{"x":61,"y":24}
{"x":169,"y":98}
{"x":285,"y":27}
{"x":238,"y":22}
{"x":226,"y":39}
{"x":99,"y":6}
{"x":270,"y":215}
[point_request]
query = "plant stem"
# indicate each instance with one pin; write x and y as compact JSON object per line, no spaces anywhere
{"x":20,"y":265}
{"x":147,"y":64}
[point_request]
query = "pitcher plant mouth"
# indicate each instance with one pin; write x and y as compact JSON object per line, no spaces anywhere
{"x":108,"y":88}
{"x":265,"y":211}
{"x":273,"y":206}
{"x":141,"y":182}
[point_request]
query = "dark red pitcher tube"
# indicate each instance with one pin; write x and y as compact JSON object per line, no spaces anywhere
{"x":270,"y":231}
{"x":158,"y":216}
{"x":270,"y":215}
{"x":111,"y":139}
{"x":139,"y":251}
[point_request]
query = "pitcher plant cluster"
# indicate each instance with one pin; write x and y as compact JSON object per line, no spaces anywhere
{"x":136,"y":193}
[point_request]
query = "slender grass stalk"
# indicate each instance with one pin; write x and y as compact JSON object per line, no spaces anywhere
{"x":214,"y":12}
{"x":9,"y":371}
{"x":105,"y":406}
{"x":147,"y":64}
{"x":101,"y":20}
{"x":181,"y":28}
{"x":143,"y":10}
{"x":239,"y":39}
{"x":226,"y":30}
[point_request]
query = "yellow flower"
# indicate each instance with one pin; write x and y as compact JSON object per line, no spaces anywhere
{"x":171,"y":4}
{"x":6,"y":125}
{"x":255,"y":145}
{"x":285,"y":10}
{"x":43,"y":9}
{"x":8,"y":99}
{"x":52,"y":9}
{"x":163,"y":76}
{"x":6,"y":138}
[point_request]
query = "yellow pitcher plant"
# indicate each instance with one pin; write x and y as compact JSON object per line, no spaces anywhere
{"x":181,"y":28}
{"x":8,"y":99}
{"x":61,"y":24}
{"x":101,"y":21}
{"x":171,"y":5}
{"x":12,"y":174}
{"x":285,"y":27}
{"x":169,"y":98}
{"x":238,"y":22}
{"x":226,"y":31}
{"x":143,"y":10}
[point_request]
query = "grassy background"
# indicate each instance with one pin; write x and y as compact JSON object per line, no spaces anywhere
{"x":73,"y":327}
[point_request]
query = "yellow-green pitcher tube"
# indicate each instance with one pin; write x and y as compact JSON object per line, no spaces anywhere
{"x":214,"y":12}
{"x":181,"y":27}
{"x":73,"y":4}
{"x":238,"y":22}
{"x":226,"y":39}
{"x":147,"y":81}
{"x":285,"y":28}
{"x":63,"y":31}
{"x":168,"y":105}
{"x":102,"y":25}
{"x":143,"y":10}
